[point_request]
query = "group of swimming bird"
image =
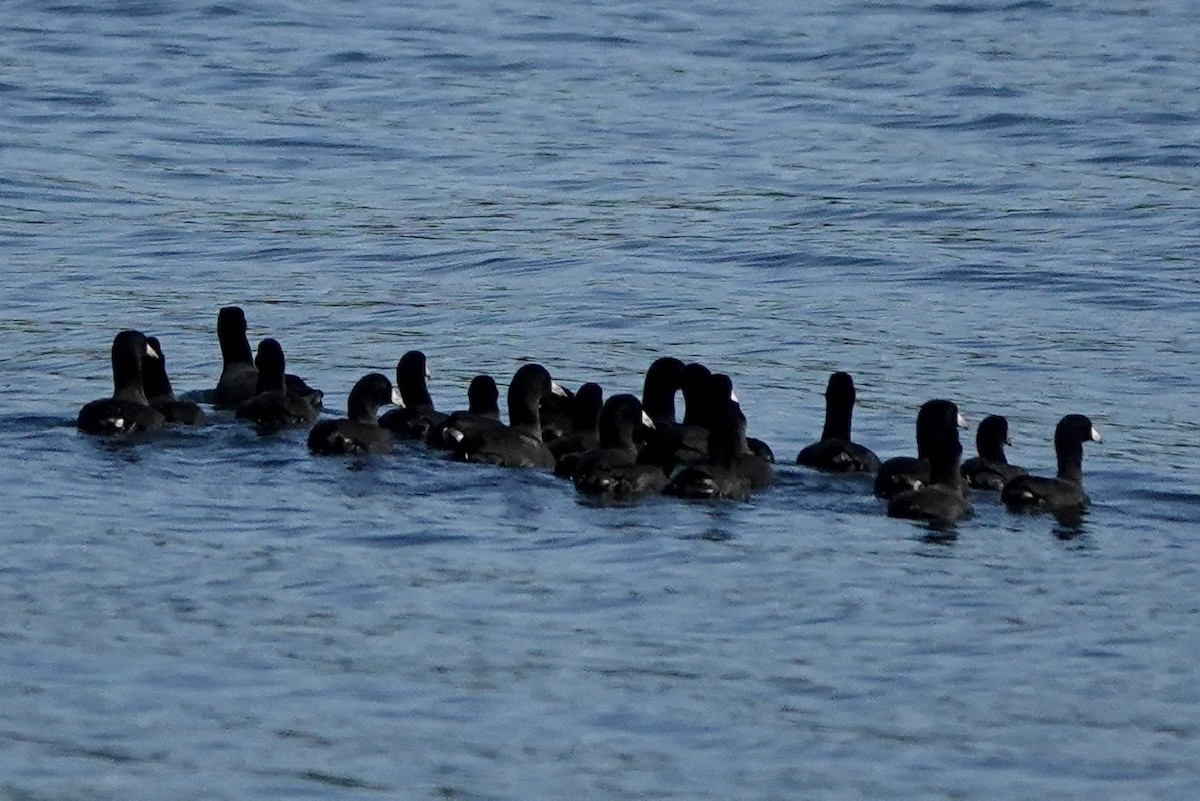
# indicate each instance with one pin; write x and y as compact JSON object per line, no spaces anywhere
{"x":617,"y":448}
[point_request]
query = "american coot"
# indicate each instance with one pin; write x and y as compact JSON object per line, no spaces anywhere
{"x":519,"y":444}
{"x":417,"y":416}
{"x":990,"y":469}
{"x":128,"y":411}
{"x":721,"y":388}
{"x":584,"y":433}
{"x":273,"y":407}
{"x":730,"y":469}
{"x":555,"y":414}
{"x":359,"y":432}
{"x":663,"y":380}
{"x":941,"y":501}
{"x":160,"y":393}
{"x":670,"y":446}
{"x":483,"y":411}
{"x":1064,"y":493}
{"x":239,"y":377}
{"x":611,"y":470}
{"x":835,"y":452}
{"x":902,"y":473}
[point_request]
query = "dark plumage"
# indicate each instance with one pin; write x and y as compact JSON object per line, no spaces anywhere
{"x":555,"y":414}
{"x":359,"y":432}
{"x":1063,"y":493}
{"x":990,"y":469}
{"x":610,"y":470}
{"x":835,"y":452}
{"x":722,"y":389}
{"x":941,"y":501}
{"x":159,"y":392}
{"x":273,"y":406}
{"x":128,"y":411}
{"x":585,"y":424}
{"x":239,"y":377}
{"x":417,"y":416}
{"x":670,"y":446}
{"x":483,"y":411}
{"x":730,"y":469}
{"x":519,"y":444}
{"x":663,"y":379}
{"x":902,"y":473}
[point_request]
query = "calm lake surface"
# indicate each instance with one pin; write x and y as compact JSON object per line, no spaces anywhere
{"x":992,"y":202}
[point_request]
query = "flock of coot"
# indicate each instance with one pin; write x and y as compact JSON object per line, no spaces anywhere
{"x":617,"y":448}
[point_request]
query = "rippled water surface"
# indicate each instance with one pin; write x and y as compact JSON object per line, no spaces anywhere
{"x":992,"y":202}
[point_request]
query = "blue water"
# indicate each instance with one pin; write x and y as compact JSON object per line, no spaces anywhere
{"x":993,"y":202}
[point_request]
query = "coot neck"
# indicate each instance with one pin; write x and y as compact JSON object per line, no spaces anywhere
{"x":838,"y":416}
{"x":235,"y":348}
{"x":127,"y":378}
{"x":1070,"y":460}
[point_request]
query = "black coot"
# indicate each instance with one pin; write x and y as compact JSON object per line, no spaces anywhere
{"x":990,"y":469}
{"x":359,"y":432}
{"x":273,"y":407}
{"x":730,"y":470}
{"x":518,"y":444}
{"x":611,"y":469}
{"x":835,"y":452}
{"x":417,"y":416}
{"x":903,"y":473}
{"x":128,"y":411}
{"x":160,"y":393}
{"x":584,"y":432}
{"x":1063,"y":493}
{"x":941,"y":501}
{"x":483,"y":411}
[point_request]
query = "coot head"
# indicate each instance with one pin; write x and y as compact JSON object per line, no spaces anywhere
{"x":529,"y":385}
{"x":992,"y":436}
{"x":368,"y":394}
{"x":231,"y":334}
{"x":271,"y":366}
{"x":411,"y":373}
{"x":937,"y":420}
{"x":483,"y":396}
{"x":154,"y":372}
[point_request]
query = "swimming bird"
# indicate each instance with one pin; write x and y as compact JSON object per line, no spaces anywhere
{"x":159,"y":392}
{"x":990,"y":469}
{"x":671,"y":445}
{"x":730,"y":470}
{"x":663,"y":380}
{"x":1064,"y":492}
{"x":611,"y":470}
{"x":584,"y":432}
{"x":835,"y":452}
{"x":128,"y":411}
{"x":518,"y":444}
{"x":417,"y":416}
{"x":239,"y":377}
{"x":273,"y":407}
{"x":901,"y":473}
{"x":942,"y":500}
{"x":722,"y":388}
{"x":359,"y":432}
{"x":483,"y":411}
